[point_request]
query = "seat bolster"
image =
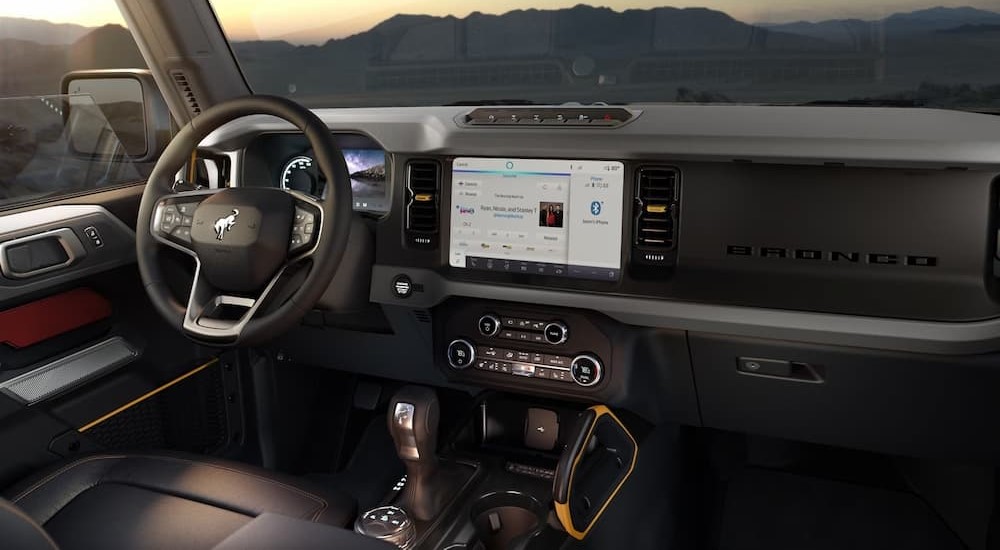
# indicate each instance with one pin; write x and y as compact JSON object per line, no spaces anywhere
{"x":224,"y":484}
{"x":42,"y":496}
{"x":20,"y":531}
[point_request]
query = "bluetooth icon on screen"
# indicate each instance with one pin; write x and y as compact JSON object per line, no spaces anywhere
{"x":595,"y":208}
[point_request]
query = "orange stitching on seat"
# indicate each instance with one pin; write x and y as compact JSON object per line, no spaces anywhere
{"x":323,"y":504}
{"x":61,"y":471}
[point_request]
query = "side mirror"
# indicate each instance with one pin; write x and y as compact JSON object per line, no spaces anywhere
{"x":127,"y":101}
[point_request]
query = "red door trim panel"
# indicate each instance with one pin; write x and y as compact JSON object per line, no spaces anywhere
{"x":37,"y":321}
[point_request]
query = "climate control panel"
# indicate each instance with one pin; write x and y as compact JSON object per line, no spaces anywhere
{"x":561,"y":352}
{"x":585,"y":370}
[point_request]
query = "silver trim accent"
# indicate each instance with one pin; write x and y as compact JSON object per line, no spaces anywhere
{"x":20,"y":221}
{"x":70,"y":371}
{"x":565,"y":333}
{"x":598,"y":376}
{"x":377,"y":523}
{"x":773,"y":324}
{"x":67,"y":239}
{"x":496,"y":325}
{"x":472,"y":347}
{"x":402,"y":417}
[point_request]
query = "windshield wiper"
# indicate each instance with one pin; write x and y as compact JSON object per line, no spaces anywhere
{"x":862,"y":103}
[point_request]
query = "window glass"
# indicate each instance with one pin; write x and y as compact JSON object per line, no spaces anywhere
{"x":51,"y":144}
{"x":902,"y":53}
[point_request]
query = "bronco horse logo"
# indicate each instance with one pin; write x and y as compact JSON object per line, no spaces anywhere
{"x":225,"y":223}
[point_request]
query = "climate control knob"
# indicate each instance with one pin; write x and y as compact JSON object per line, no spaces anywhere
{"x":489,"y":325}
{"x":586,"y":370}
{"x":556,"y":333}
{"x":461,"y":354}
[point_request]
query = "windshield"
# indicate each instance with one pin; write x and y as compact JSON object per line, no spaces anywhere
{"x":389,"y":53}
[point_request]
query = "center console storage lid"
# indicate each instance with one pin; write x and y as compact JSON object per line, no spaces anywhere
{"x":269,"y":531}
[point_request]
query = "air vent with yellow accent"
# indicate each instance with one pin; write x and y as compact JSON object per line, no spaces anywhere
{"x":423,"y":186}
{"x":657,"y":201}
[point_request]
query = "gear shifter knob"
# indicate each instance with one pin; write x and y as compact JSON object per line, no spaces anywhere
{"x":413,"y":423}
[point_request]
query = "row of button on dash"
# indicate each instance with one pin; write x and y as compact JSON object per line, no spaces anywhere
{"x":559,"y":361}
{"x":523,"y":369}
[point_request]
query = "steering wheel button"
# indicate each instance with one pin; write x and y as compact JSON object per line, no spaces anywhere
{"x":309,"y":228}
{"x":182,"y":233}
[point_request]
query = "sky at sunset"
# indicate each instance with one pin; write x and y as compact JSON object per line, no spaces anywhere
{"x":317,"y":20}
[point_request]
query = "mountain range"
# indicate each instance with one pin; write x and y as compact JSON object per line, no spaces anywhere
{"x":584,"y":47}
{"x":40,"y":31}
{"x":851,"y":31}
{"x":28,"y":67}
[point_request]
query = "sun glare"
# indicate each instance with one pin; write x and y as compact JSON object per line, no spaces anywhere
{"x":89,"y":13}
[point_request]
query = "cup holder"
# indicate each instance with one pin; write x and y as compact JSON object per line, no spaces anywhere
{"x":505,"y":521}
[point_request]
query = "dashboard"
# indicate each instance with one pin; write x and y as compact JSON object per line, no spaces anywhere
{"x":821,"y":260}
{"x":285,"y":160}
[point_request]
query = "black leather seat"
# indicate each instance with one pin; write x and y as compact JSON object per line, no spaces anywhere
{"x":169,"y":501}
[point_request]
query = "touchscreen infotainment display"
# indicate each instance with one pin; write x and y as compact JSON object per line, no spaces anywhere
{"x":540,"y":217}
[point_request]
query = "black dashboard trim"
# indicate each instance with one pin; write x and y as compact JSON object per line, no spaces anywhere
{"x":930,"y":337}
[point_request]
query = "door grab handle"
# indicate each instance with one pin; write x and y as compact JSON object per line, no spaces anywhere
{"x":66,"y":238}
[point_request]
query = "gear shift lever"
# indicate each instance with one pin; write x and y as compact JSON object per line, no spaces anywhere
{"x":413,"y":423}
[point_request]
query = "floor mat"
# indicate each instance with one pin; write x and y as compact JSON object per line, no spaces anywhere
{"x":780,"y":511}
{"x":372,"y":470}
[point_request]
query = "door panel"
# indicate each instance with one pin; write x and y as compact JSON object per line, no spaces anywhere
{"x":166,"y":392}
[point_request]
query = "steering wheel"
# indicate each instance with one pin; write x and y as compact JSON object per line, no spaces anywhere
{"x":264,"y":256}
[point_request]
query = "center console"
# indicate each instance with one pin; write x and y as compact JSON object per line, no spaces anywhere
{"x":525,"y":474}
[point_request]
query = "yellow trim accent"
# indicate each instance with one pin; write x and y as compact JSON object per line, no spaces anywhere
{"x":423,"y":197}
{"x":193,"y":167}
{"x":562,"y":508}
{"x":656,"y":208}
{"x":142,"y":398}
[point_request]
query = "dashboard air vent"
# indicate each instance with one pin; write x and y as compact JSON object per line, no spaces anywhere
{"x":423,"y":185}
{"x":657,"y":196}
{"x":186,"y":93}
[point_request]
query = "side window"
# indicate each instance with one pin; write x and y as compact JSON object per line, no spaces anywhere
{"x":59,"y":138}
